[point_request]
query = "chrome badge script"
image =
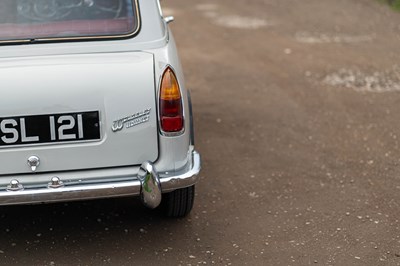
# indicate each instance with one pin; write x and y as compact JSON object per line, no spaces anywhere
{"x":132,"y":120}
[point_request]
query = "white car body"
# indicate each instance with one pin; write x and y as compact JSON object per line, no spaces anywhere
{"x":118,"y":78}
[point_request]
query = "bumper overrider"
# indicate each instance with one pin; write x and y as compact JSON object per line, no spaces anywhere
{"x":148,"y":184}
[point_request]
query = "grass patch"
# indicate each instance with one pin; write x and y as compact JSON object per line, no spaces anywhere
{"x":393,"y":3}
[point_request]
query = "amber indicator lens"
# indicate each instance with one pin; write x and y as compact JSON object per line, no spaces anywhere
{"x":171,"y":115}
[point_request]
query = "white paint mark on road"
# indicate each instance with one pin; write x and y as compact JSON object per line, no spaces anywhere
{"x":377,"y":82}
{"x":212,"y":12}
{"x":319,"y":38}
{"x":207,"y":7}
{"x":239,"y":22}
{"x":168,"y":11}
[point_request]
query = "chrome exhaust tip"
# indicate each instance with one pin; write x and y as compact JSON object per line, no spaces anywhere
{"x":150,"y":189}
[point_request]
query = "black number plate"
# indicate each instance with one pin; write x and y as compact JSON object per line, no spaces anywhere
{"x":49,"y":128}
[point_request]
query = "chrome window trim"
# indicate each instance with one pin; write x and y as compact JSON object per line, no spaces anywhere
{"x":159,"y":8}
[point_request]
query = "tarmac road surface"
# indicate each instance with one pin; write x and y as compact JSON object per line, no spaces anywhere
{"x":297,"y":105}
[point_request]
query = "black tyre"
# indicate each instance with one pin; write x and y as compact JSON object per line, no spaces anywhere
{"x":178,"y":203}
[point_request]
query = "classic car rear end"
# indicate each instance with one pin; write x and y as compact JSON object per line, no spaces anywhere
{"x":94,"y":105}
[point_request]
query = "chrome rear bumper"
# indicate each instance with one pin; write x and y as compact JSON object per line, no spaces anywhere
{"x":148,"y":184}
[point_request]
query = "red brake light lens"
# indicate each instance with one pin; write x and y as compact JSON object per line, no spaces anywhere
{"x":171,"y":114}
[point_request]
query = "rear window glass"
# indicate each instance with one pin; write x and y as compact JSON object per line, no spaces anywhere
{"x":30,"y":20}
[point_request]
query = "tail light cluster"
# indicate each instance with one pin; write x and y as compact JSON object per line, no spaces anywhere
{"x":171,"y":112}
